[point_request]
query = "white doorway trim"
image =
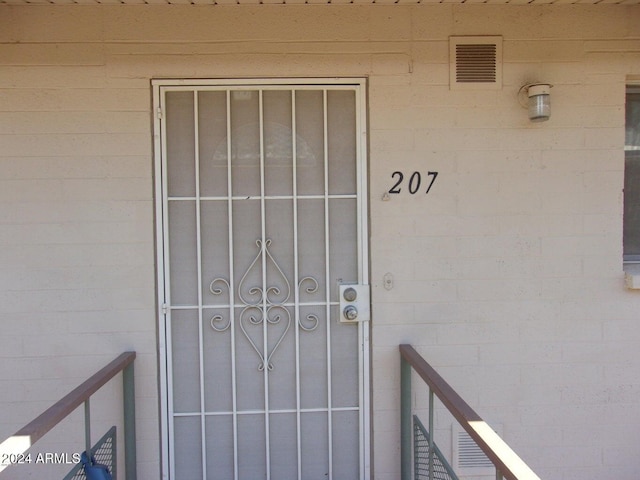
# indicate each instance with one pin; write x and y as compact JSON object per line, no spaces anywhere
{"x":161,"y":205}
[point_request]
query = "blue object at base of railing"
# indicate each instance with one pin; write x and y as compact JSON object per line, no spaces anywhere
{"x":104,"y":451}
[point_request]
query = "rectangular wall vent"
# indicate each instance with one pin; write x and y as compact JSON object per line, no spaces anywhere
{"x":476,"y":62}
{"x":469,"y":454}
{"x":468,"y":458}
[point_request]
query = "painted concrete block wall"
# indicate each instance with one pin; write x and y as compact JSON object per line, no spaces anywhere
{"x":507,"y":276}
{"x":77,"y":263}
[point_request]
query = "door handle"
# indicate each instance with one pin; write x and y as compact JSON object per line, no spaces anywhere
{"x":350,"y":312}
{"x":354,"y":303}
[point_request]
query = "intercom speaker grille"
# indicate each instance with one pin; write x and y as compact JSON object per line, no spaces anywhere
{"x":476,"y":62}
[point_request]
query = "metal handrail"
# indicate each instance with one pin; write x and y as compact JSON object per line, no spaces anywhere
{"x":507,"y":463}
{"x":24,"y":438}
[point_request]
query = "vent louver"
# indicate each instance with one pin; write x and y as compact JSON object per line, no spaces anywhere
{"x":476,"y":62}
{"x":468,"y":458}
{"x":469,"y":454}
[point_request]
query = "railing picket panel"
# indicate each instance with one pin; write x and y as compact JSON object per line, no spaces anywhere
{"x":405,"y":420}
{"x":24,"y":438}
{"x":508,"y":464}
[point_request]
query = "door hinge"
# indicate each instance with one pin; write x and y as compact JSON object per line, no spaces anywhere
{"x":159,"y":113}
{"x":165,"y":308}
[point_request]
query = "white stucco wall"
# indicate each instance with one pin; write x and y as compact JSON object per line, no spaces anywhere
{"x":507,"y":276}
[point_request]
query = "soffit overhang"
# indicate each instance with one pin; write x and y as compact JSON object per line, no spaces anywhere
{"x":317,"y":2}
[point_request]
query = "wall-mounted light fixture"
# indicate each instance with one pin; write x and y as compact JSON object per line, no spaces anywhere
{"x":538,"y":100}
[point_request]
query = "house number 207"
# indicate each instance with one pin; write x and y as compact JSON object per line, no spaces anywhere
{"x":414,"y":183}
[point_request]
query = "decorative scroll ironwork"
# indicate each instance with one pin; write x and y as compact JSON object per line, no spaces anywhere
{"x":312,"y":317}
{"x":264,"y":304}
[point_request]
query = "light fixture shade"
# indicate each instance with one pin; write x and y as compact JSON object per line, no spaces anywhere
{"x":539,"y":103}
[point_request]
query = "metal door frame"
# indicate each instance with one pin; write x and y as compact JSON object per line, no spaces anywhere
{"x":161,"y":209}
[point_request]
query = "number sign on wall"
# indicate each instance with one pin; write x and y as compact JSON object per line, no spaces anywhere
{"x":412,"y":184}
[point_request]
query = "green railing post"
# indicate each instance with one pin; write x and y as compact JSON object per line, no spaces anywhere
{"x":87,"y":426}
{"x":405,"y":420}
{"x":431,"y":432}
{"x":129,"y":404}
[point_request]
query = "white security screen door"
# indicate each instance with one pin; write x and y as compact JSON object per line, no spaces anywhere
{"x":261,"y":217}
